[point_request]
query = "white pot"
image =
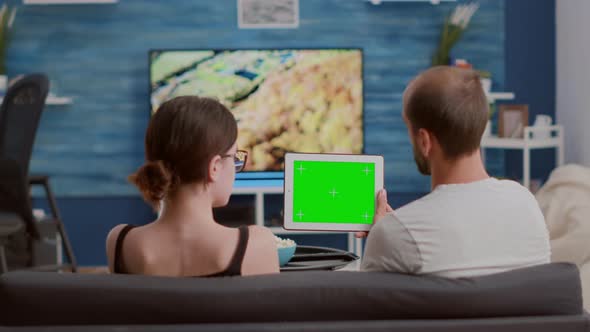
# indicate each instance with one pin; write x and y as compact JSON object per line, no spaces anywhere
{"x":488,"y":131}
{"x":486,"y":84}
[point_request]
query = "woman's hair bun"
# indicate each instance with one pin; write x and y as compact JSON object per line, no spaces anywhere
{"x":154,"y":180}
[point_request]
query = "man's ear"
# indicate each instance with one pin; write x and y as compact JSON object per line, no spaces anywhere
{"x":214,"y":168}
{"x":424,"y":141}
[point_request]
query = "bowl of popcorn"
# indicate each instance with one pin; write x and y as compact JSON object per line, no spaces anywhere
{"x":286,"y":248}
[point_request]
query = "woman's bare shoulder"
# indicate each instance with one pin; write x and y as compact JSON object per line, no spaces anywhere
{"x":261,"y":231}
{"x":111,"y":243}
{"x":261,"y":254}
{"x":263,"y":237}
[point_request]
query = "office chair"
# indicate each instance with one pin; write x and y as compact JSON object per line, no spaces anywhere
{"x":20,"y":114}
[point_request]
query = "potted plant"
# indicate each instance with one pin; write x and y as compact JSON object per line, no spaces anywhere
{"x":7,"y":16}
{"x":453,"y":29}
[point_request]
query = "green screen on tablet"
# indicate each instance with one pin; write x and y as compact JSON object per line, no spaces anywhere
{"x":333,"y":192}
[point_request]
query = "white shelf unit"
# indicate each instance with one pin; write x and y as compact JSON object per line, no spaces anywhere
{"x":354,"y":245}
{"x":54,"y":100}
{"x":493,"y":96}
{"x":528,"y":143}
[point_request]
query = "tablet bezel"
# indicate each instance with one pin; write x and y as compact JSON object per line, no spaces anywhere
{"x":291,"y":157}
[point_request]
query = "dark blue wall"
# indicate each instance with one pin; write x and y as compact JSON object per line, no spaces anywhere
{"x":98,"y":55}
{"x":530,"y":72}
{"x":89,"y":219}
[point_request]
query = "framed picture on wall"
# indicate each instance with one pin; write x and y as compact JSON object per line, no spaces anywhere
{"x":512,"y":119}
{"x":256,"y":14}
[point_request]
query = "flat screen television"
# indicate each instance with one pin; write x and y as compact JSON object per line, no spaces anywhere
{"x":297,"y":100}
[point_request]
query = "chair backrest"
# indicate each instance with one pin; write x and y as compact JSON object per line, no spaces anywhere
{"x":14,"y":195}
{"x":19,"y":118}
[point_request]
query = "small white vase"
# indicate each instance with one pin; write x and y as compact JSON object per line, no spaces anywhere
{"x":488,"y":131}
{"x":486,"y":84}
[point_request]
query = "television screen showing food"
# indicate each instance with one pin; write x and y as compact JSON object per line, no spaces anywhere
{"x":285,"y":100}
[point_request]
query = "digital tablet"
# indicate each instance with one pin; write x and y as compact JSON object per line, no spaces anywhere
{"x":335,"y":192}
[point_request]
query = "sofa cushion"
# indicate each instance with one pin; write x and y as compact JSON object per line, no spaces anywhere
{"x":37,"y":298}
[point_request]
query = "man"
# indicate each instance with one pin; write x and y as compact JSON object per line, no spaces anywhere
{"x":470,"y":224}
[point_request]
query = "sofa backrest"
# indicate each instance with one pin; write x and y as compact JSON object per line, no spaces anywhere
{"x":38,"y":298}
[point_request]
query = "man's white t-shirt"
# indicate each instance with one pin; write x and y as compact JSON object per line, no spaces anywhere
{"x":461,"y":230}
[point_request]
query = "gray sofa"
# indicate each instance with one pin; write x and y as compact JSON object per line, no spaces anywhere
{"x":541,"y":298}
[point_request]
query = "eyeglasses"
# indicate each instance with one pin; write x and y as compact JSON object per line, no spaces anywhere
{"x":240,"y":158}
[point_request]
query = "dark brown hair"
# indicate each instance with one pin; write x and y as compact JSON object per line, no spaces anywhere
{"x":182,"y":137}
{"x":450,"y":103}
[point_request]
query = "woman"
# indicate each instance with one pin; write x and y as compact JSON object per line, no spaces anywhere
{"x":191,"y":161}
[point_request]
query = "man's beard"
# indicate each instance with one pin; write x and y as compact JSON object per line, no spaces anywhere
{"x":421,"y":162}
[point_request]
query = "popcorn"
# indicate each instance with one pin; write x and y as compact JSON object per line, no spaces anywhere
{"x":314,"y":106}
{"x":284,"y":243}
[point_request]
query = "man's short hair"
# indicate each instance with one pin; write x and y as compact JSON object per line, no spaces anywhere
{"x":450,"y":103}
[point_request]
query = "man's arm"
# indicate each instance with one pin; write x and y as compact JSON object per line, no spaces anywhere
{"x":390,"y":247}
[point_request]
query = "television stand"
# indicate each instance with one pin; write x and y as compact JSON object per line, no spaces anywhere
{"x":354,"y":245}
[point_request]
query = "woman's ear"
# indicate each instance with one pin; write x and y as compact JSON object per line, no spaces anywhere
{"x":424,"y":141}
{"x":214,"y":168}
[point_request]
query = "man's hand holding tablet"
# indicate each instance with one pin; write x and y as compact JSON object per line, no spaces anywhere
{"x":336,"y":192}
{"x":382,"y":209}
